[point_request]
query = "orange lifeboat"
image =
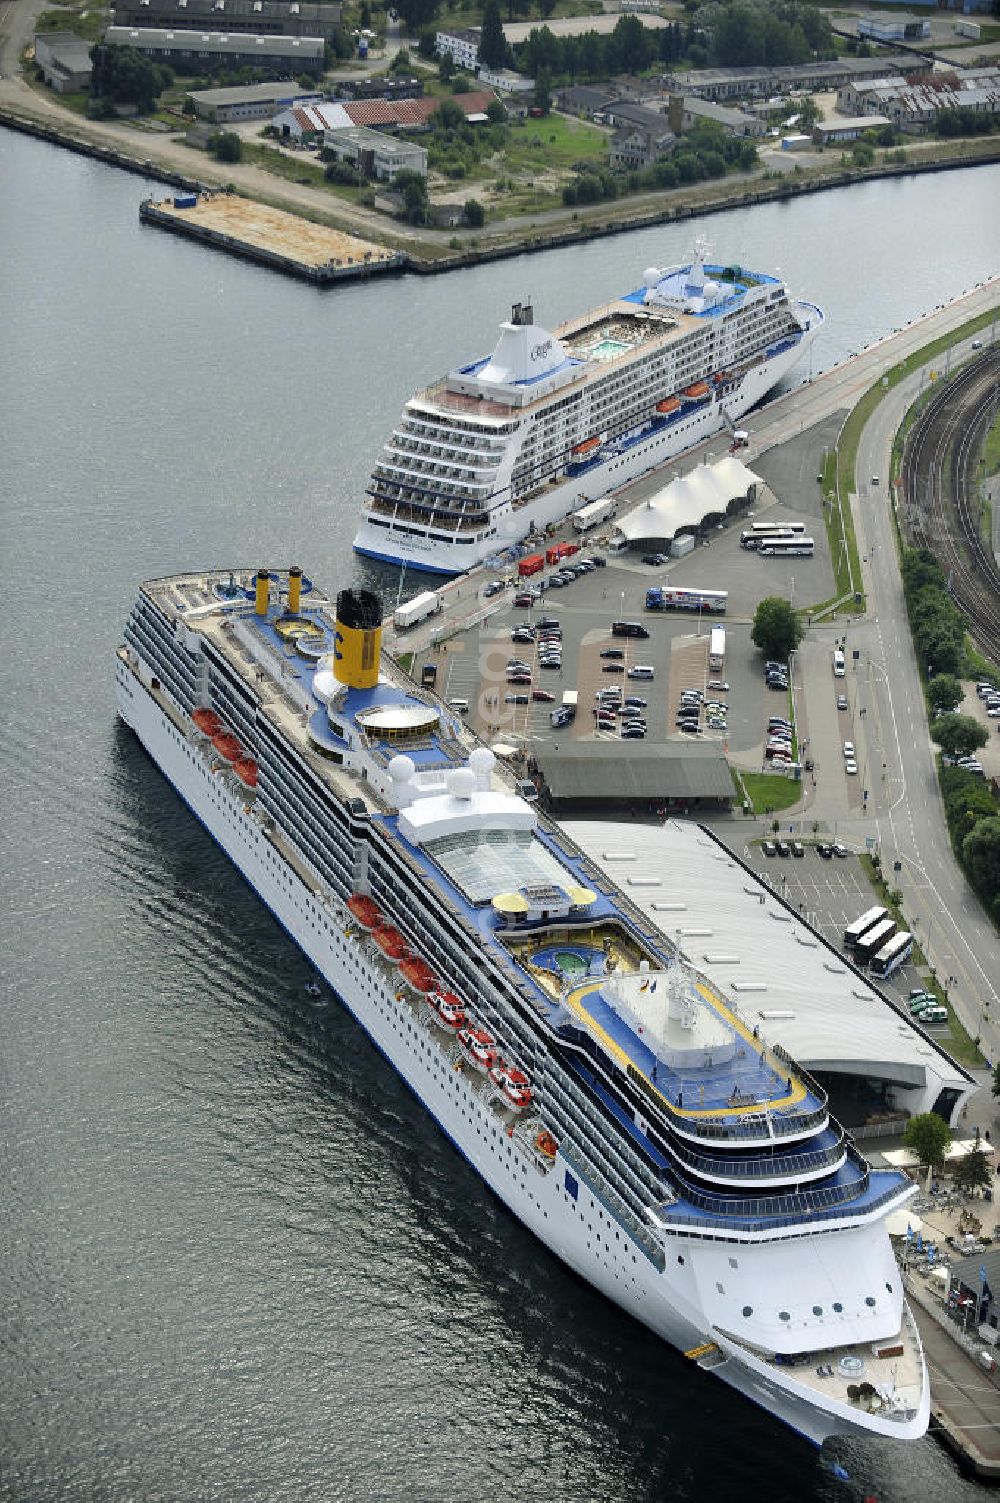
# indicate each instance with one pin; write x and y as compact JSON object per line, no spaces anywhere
{"x":546,"y":1144}
{"x":390,"y":942}
{"x":514,"y":1084}
{"x":587,"y":447}
{"x":669,"y":404}
{"x":418,"y":973}
{"x":697,"y":391}
{"x":228,"y":745}
{"x":365,"y":910}
{"x":479,"y":1047}
{"x":447,"y":1009}
{"x":207,"y":721}
{"x":246,"y":768}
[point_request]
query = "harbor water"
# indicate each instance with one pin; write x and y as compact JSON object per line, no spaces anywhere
{"x":237,"y":1260}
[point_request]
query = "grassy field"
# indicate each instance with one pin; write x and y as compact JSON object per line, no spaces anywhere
{"x":561,"y":141}
{"x":769,"y":792}
{"x":991,"y":450}
{"x":83,"y":22}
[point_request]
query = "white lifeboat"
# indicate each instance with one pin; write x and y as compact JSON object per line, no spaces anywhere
{"x":447,"y":1009}
{"x":479,"y":1047}
{"x":514,"y":1084}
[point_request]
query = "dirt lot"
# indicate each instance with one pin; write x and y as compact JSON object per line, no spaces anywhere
{"x":273,"y":230}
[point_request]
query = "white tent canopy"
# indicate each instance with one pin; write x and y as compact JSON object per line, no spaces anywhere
{"x":686,"y":502}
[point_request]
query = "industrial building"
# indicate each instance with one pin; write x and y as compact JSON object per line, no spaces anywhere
{"x":880,"y":27}
{"x":581,"y":777}
{"x":914,"y":103}
{"x":64,"y":61}
{"x":374,"y":154}
{"x":209,"y":49}
{"x":289,"y":18}
{"x":248,"y":101}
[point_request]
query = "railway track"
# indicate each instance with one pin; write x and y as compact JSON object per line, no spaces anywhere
{"x":940,"y":493}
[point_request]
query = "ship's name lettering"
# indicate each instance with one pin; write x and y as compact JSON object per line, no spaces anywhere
{"x":541,"y":350}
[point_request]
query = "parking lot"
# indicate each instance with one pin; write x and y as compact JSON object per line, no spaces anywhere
{"x":830,"y":894}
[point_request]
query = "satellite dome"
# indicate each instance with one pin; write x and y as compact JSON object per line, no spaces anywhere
{"x":401,"y":769}
{"x":462,"y":783}
{"x":710,"y":292}
{"x":325,"y":685}
{"x":482,"y":759}
{"x":651,"y":276}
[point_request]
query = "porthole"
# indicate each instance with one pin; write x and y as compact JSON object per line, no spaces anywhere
{"x":870,"y":1301}
{"x":783,"y":1315}
{"x":817,"y":1309}
{"x":748,"y":1311}
{"x":889,"y":1288}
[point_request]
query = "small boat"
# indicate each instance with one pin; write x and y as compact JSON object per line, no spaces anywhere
{"x":587,"y":447}
{"x":479,"y":1047}
{"x":314,"y":989}
{"x":447,"y":1009}
{"x":669,"y":404}
{"x":514,"y":1084}
{"x":546,"y":1144}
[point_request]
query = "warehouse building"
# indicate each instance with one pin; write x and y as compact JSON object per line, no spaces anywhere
{"x":288,"y":18}
{"x":580,"y":777}
{"x":204,"y":49}
{"x":64,"y":61}
{"x":248,"y":101}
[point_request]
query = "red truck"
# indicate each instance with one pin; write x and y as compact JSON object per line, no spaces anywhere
{"x":530,"y":565}
{"x":560,"y":550}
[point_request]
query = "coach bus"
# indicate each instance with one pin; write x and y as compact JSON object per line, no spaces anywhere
{"x":892,"y":955}
{"x":790,"y":547}
{"x":869,"y":944}
{"x":861,"y":926}
{"x":759,"y":532}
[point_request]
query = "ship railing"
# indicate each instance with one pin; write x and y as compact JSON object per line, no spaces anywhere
{"x":785,"y":1166}
{"x":602,"y":1191}
{"x":767,"y":1214}
{"x":797,"y":1070}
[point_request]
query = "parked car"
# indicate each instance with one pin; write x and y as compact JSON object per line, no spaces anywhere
{"x":655,"y":559}
{"x":516,"y":699}
{"x":848,"y":748}
{"x":495,"y":587}
{"x":841,"y":850}
{"x":719,"y":685}
{"x":524,"y":599}
{"x":614,"y":668}
{"x":824,"y":849}
{"x":768,"y":847}
{"x":635,"y":701}
{"x":613,"y":652}
{"x":934,"y":1015}
{"x":798,"y":849}
{"x":851,"y":767}
{"x":841,"y":701}
{"x":690,"y":727}
{"x":782,"y":847}
{"x":633,"y":732}
{"x":542,"y":696}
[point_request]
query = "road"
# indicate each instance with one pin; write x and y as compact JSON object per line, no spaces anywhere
{"x":908,"y":814}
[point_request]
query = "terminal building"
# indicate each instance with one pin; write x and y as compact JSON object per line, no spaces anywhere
{"x":792,"y":988}
{"x":692,"y":504}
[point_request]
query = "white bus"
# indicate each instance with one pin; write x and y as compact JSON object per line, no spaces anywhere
{"x":892,"y":955}
{"x":871,"y":943}
{"x":790,"y":547}
{"x":752,"y":537}
{"x":854,"y":932}
{"x":839,"y":666}
{"x":717,"y":649}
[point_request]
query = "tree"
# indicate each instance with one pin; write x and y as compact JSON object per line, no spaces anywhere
{"x":475,"y":214}
{"x":972,"y":1172}
{"x":401,"y":62}
{"x":120,"y":75}
{"x":495,"y":113}
{"x":226,"y":146}
{"x":958,"y":735}
{"x":981,"y":855}
{"x":543,"y":91}
{"x":412,"y":187}
{"x":492,"y":42}
{"x":996,"y":1079}
{"x":928,"y":1135}
{"x":776,"y":628}
{"x":944,"y":693}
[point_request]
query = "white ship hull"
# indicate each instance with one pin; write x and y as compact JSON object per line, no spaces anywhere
{"x":510,"y":526}
{"x":576,"y":1230}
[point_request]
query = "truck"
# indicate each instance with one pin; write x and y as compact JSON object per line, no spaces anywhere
{"x":594,"y":513}
{"x":531,"y":564}
{"x":565,"y":713}
{"x":559,"y":551}
{"x":717,"y":649}
{"x":417,"y":609}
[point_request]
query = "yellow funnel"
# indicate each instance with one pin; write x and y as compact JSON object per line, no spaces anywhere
{"x":263,"y":591}
{"x":358,"y":639}
{"x":294,"y":589}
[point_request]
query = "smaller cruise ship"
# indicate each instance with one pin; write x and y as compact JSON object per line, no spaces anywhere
{"x":551,"y":421}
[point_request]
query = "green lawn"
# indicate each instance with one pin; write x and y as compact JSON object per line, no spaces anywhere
{"x":991,"y":450}
{"x":769,"y":792}
{"x":554,"y":144}
{"x":82,"y":21}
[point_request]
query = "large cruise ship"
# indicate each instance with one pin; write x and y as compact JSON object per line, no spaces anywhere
{"x":666,"y":1150}
{"x":520,"y":438}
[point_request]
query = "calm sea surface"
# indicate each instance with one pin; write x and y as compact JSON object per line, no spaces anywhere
{"x":237,"y":1261}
